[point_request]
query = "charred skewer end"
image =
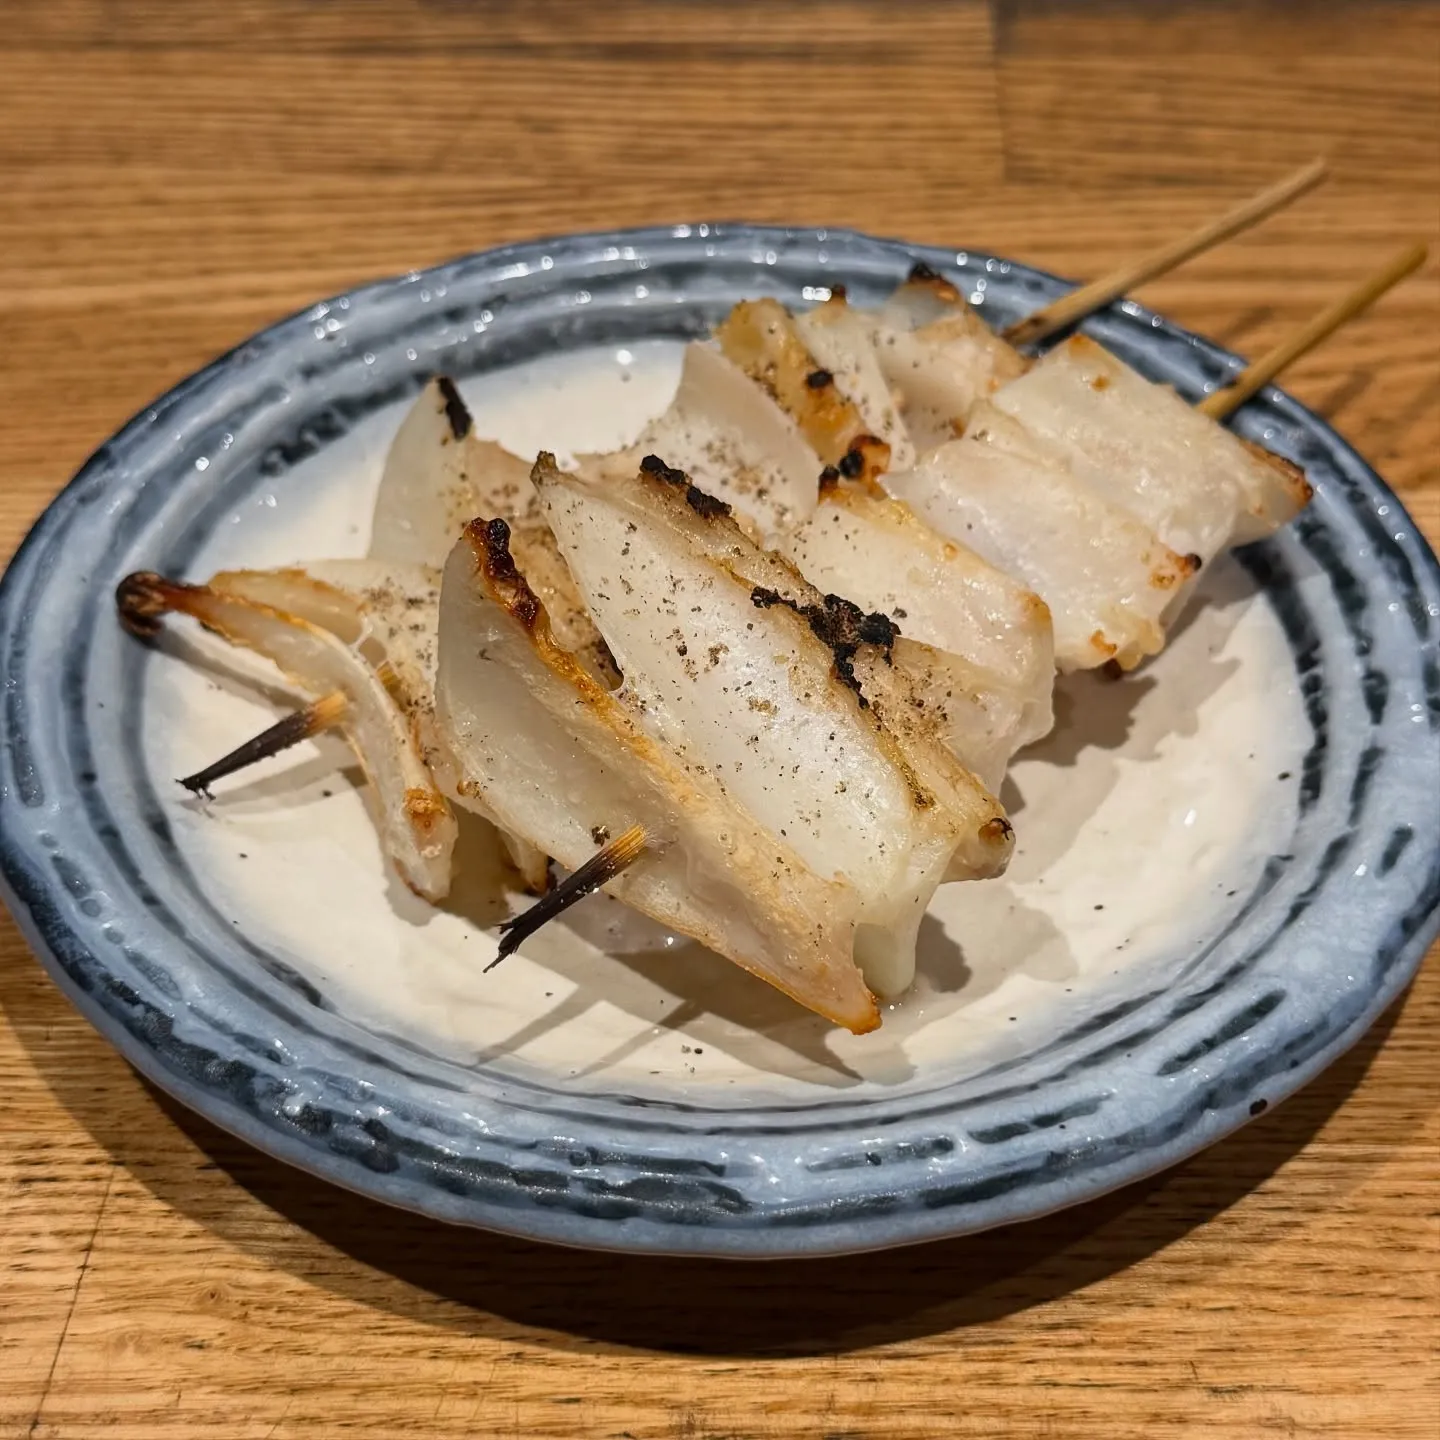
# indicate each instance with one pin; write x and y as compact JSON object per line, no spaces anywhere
{"x":142,"y":598}
{"x":600,"y":869}
{"x":320,"y":715}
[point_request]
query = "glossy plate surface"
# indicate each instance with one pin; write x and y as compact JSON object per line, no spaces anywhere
{"x":590,"y":1123}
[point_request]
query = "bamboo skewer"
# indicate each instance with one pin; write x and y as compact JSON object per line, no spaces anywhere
{"x":289,"y":730}
{"x":1221,"y":403}
{"x":1124,"y":278}
{"x":598,"y":870}
{"x":310,"y":720}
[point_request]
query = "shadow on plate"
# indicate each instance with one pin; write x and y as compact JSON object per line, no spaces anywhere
{"x":1100,"y":718}
{"x":440,"y":1275}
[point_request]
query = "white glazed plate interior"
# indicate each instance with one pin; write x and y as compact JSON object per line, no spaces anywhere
{"x":1226,"y":863}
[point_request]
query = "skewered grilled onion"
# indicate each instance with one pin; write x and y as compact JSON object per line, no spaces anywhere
{"x":1107,"y":515}
{"x":747,"y":673}
{"x":589,"y":769}
{"x":416,"y":824}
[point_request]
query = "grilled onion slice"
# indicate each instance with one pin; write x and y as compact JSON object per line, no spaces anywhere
{"x":417,"y":827}
{"x":733,"y":439}
{"x":438,"y":475}
{"x":589,"y":769}
{"x":939,"y":355}
{"x":762,"y":339}
{"x":391,"y":612}
{"x":842,"y":342}
{"x":1140,"y":446}
{"x":996,"y":671}
{"x":749,"y":675}
{"x":1107,"y":578}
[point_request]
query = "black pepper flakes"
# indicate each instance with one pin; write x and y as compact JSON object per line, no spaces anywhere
{"x":842,"y":626}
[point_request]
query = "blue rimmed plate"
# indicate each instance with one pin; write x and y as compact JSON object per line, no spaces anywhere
{"x":1229,"y":862}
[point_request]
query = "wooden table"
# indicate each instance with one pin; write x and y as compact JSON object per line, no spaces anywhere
{"x":173,"y":176}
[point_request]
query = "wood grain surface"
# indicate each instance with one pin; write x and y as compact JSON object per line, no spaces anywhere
{"x":175,"y":175}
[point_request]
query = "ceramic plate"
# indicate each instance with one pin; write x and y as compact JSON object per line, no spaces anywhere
{"x":1227,"y":866}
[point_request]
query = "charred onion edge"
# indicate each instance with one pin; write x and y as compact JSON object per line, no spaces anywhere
{"x":706,"y":506}
{"x":617,"y":856}
{"x":842,"y":627}
{"x":456,"y":411}
{"x":1173,"y":569}
{"x":499,"y":568}
{"x":867,"y":458}
{"x":931,"y":279}
{"x":143,"y":598}
{"x":1292,"y":478}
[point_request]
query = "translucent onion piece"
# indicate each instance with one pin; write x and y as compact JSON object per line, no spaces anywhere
{"x":879,"y":553}
{"x":841,"y":340}
{"x":588,"y":770}
{"x":1141,"y":447}
{"x":417,"y":828}
{"x":939,"y":355}
{"x":760,"y":337}
{"x":734,"y":441}
{"x":728,"y":674}
{"x":1106,"y":578}
{"x":438,"y":476}
{"x":996,"y":668}
{"x":392,"y":611}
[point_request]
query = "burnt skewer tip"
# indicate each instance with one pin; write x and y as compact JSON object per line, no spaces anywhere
{"x":289,"y":730}
{"x":601,"y":868}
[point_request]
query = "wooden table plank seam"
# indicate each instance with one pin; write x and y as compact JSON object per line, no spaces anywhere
{"x":74,"y":1298}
